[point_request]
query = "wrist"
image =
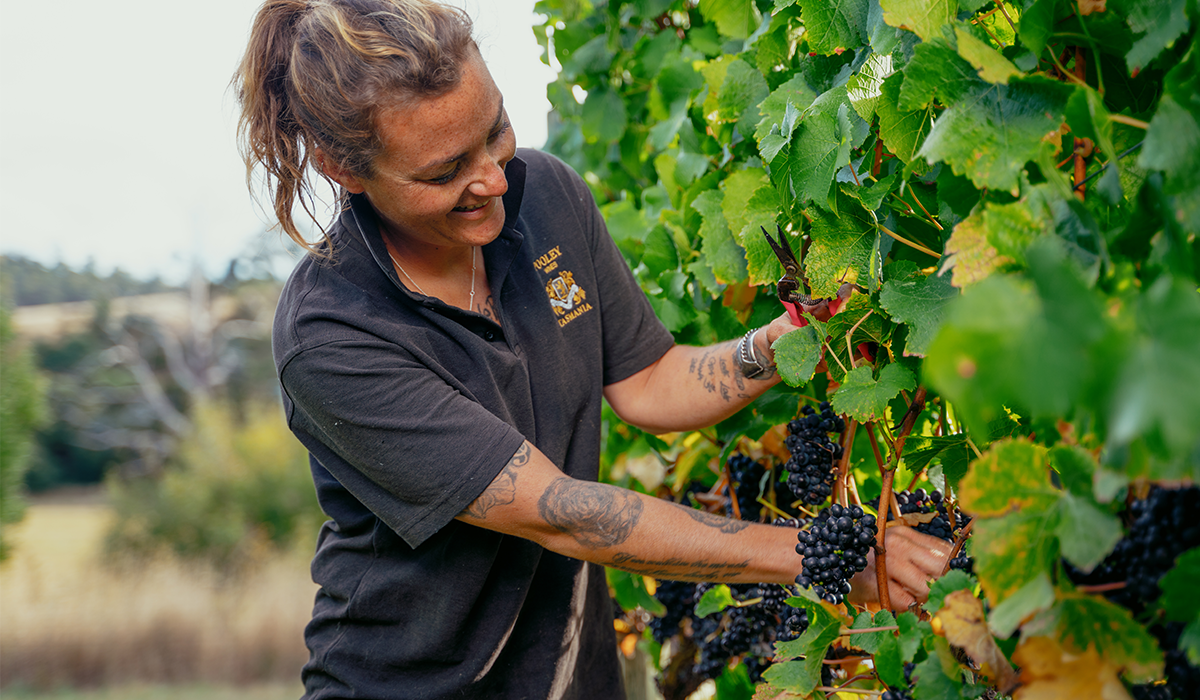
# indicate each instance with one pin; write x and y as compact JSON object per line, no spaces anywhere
{"x":754,"y":361}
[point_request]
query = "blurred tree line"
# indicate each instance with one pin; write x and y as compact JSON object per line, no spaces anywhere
{"x":184,"y":427}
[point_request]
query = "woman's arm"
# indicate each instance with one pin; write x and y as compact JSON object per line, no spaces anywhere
{"x":617,"y":527}
{"x":694,"y":387}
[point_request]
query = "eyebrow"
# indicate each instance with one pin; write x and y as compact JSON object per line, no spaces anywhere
{"x":460,"y":156}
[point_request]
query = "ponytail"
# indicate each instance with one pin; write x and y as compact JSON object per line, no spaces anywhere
{"x":315,"y":74}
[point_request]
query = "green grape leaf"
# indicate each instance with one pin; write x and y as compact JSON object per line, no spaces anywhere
{"x":1011,"y":474}
{"x":951,"y":451}
{"x":1037,"y":24}
{"x":629,"y":590}
{"x":761,"y":211}
{"x":921,"y":303}
{"x":823,"y":628}
{"x":992,"y":66}
{"x":883,"y":646}
{"x":831,"y":26}
{"x":660,"y":253}
{"x":1164,"y":358}
{"x":1160,"y":22}
{"x":782,"y":108}
{"x":1081,"y":621}
{"x":934,"y":682}
{"x":1076,"y":468}
{"x":902,"y":131}
{"x":863,"y":87}
{"x":1088,"y":118}
{"x":604,"y":116}
{"x":954,"y":580}
{"x":864,"y":398}
{"x":912,"y":634}
{"x":738,"y":188}
{"x":626,"y":224}
{"x":797,"y":354}
{"x":872,"y":195}
{"x":1012,"y":550}
{"x":1181,"y":603}
{"x":925,"y":18}
{"x":994,"y":130}
{"x":1173,"y":144}
{"x":936,"y":70}
{"x":842,"y":247}
{"x":714,"y":600}
{"x":720,"y":251}
{"x":1086,"y":533}
{"x":736,"y":19}
{"x":822,"y":143}
{"x":1179,"y":588}
{"x":1035,"y":596}
{"x":969,"y":257}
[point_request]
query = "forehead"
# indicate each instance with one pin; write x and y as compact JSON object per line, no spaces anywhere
{"x":430,"y":130}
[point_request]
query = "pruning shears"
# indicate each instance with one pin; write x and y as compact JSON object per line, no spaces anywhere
{"x":789,"y":287}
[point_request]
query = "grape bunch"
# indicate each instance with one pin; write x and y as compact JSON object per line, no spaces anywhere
{"x":901,"y":693}
{"x":678,"y":598}
{"x":747,"y":474}
{"x":1162,"y":526}
{"x":1183,"y":679}
{"x":835,"y":548}
{"x":810,"y":469}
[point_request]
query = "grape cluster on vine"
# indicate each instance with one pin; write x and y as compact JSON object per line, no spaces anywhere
{"x":835,"y":548}
{"x":813,"y":454}
{"x":747,"y":474}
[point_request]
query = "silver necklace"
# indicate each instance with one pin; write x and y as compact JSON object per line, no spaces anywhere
{"x":470,"y":304}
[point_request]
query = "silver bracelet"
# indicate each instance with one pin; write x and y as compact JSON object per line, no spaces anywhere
{"x":747,"y":358}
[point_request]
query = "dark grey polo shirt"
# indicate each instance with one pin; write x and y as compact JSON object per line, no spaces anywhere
{"x":410,"y":407}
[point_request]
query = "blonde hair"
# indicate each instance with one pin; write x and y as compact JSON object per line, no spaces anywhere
{"x":317,"y":72}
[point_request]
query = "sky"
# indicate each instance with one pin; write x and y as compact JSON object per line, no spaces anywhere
{"x":118,"y":129}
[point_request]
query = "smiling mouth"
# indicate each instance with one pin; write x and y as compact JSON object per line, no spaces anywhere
{"x":471,"y":209}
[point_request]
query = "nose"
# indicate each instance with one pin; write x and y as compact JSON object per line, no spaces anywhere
{"x":490,"y":181}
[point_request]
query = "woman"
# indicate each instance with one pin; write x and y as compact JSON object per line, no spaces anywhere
{"x":443,"y":354}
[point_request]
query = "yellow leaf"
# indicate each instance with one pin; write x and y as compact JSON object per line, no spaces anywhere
{"x":1087,"y":7}
{"x":1050,"y":673}
{"x":962,"y":623}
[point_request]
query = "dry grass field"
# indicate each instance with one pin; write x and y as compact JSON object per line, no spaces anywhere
{"x":72,"y":628}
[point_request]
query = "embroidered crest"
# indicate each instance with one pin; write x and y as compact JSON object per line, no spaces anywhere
{"x":567,"y":299}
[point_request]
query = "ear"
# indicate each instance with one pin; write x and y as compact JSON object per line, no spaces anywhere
{"x":338,"y":174}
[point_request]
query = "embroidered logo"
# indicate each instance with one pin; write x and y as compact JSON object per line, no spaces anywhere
{"x":567,"y":299}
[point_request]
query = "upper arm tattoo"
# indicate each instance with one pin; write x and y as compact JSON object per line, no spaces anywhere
{"x":725,"y":525}
{"x":596,"y":515}
{"x":503,"y":489}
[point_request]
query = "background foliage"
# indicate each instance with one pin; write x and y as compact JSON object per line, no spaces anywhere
{"x":1014,"y":188}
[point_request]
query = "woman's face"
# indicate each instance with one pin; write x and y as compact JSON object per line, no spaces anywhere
{"x":439,"y":180}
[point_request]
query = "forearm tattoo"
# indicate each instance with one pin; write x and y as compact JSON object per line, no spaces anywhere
{"x":725,"y":525}
{"x":596,"y":515}
{"x":503,"y":489}
{"x":678,"y":569}
{"x":716,"y":370}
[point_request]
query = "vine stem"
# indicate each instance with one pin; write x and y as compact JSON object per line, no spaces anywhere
{"x":881,"y":579}
{"x":874,"y":445}
{"x":849,"y":348}
{"x":1080,"y":160}
{"x":958,"y":545}
{"x":773,"y":508}
{"x":1129,"y":120}
{"x":844,"y":461}
{"x":927,"y":214}
{"x":910,"y":244}
{"x":1102,"y":587}
{"x":846,"y":631}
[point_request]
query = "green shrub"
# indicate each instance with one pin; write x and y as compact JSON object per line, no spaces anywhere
{"x":238,"y":488}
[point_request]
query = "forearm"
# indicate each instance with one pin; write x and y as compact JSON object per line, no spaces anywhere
{"x":641,"y":534}
{"x":688,"y":389}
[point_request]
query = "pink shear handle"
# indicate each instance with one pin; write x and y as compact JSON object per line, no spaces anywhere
{"x":794,"y":313}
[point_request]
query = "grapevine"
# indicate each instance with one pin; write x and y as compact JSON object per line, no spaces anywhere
{"x":1003,"y":199}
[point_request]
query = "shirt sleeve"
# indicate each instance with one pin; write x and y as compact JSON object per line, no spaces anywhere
{"x":405,"y":441}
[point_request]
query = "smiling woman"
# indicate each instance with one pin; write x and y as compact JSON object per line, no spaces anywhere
{"x":444,"y":353}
